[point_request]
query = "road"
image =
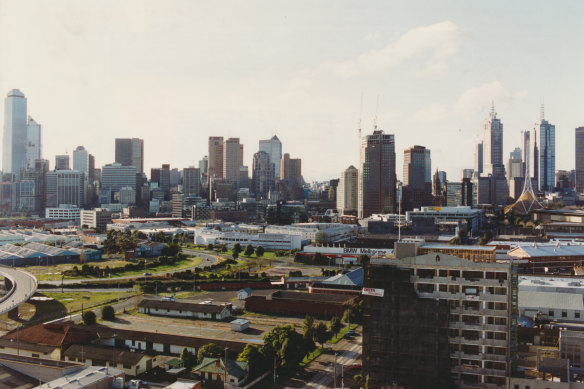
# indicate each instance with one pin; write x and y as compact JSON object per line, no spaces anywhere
{"x":319,"y":373}
{"x":24,"y":286}
{"x":208,"y":260}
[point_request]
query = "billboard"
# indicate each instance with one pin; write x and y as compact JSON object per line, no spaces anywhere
{"x":373,"y":292}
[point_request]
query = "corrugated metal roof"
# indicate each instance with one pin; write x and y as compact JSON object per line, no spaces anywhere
{"x":547,"y":251}
{"x":551,"y":300}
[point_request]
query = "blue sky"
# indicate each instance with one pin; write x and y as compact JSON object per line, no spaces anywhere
{"x":176,"y":72}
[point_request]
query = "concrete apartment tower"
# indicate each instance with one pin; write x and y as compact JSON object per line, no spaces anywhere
{"x":273,"y":147}
{"x":348,"y":191}
{"x":15,"y":133}
{"x":130,"y":152}
{"x":377,"y":178}
{"x":579,"y":159}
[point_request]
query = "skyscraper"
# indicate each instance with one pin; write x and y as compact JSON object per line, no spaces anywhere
{"x":130,"y":152}
{"x":377,"y":178}
{"x":479,"y":159}
{"x":191,"y":181}
{"x":115,"y":176}
{"x":62,"y":162}
{"x":232,"y":159}
{"x":273,"y":147}
{"x":291,"y":174}
{"x":515,"y":164}
{"x":81,"y":160}
{"x":493,"y":146}
{"x":215,"y":165}
{"x":263,"y":174}
{"x":33,"y":142}
{"x":348,"y":191}
{"x":15,"y":132}
{"x":65,"y":187}
{"x":547,"y":154}
{"x":417,"y":178}
{"x":579,"y":159}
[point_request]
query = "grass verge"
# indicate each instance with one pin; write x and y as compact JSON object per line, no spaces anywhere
{"x":311,"y":357}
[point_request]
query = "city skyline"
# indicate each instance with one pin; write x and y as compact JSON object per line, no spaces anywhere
{"x":436,"y":72}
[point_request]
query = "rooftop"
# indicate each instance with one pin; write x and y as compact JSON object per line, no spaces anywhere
{"x":551,"y":300}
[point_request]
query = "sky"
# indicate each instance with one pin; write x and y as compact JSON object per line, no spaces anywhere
{"x":175,"y":72}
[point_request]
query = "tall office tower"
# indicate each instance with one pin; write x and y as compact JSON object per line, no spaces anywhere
{"x":29,"y":191}
{"x":91,"y":167}
{"x":515,"y":164}
{"x":62,"y":162}
{"x":115,"y":176}
{"x":479,"y":159}
{"x":232,"y":159}
{"x":15,"y":131}
{"x":468,"y":194}
{"x":493,"y":146}
{"x":243,"y":178}
{"x":439,"y":321}
{"x":130,"y":152}
{"x":203,"y":165}
{"x":273,"y":147}
{"x":164,"y":182}
{"x":65,"y":187}
{"x":215,"y":166}
{"x":291,"y":174}
{"x":174,"y":178}
{"x":33,"y":142}
{"x":579,"y":134}
{"x":263,"y":174}
{"x":417,"y":180}
{"x":547,"y":154}
{"x":191,"y":181}
{"x":348,"y":191}
{"x":377,"y":178}
{"x":81,"y":160}
{"x":439,"y":180}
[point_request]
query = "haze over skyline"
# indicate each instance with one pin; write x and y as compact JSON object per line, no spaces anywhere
{"x":176,"y":72}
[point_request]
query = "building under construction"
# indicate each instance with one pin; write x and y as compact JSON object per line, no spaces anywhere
{"x":438,"y":321}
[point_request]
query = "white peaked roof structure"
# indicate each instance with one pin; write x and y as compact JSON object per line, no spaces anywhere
{"x":527,"y":202}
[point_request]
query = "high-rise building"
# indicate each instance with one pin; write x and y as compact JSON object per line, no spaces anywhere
{"x":62,"y":162}
{"x":493,"y":146}
{"x":130,"y":152}
{"x":115,"y":176}
{"x":81,"y":160}
{"x":417,"y":180}
{"x":263,"y":174}
{"x":91,"y":167}
{"x":479,"y":159}
{"x":15,"y":132}
{"x":191,"y":181}
{"x":579,"y":135}
{"x":515,"y":164}
{"x":348,"y":191}
{"x":215,"y":166}
{"x":33,"y":142}
{"x":547,"y":155}
{"x":437,"y":320}
{"x":203,"y":165}
{"x":291,"y":175}
{"x":65,"y":187}
{"x":232,"y":159}
{"x":377,"y":179}
{"x":273,"y":147}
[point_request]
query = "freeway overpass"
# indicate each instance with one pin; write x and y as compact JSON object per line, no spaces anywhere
{"x":20,"y":286}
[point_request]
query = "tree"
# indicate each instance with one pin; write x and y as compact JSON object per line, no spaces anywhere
{"x":235,"y":254}
{"x":188,"y":358}
{"x":363,"y":260}
{"x":284,"y":343}
{"x":209,"y":350}
{"x":248,"y":250}
{"x":321,"y":334}
{"x":108,"y":313}
{"x":308,"y":326}
{"x":255,"y":360}
{"x":259,"y":251}
{"x":237,"y":247}
{"x":89,"y":318}
{"x":335,"y":325}
{"x":210,"y":246}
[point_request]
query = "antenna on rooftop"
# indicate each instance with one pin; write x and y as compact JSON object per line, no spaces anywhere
{"x":376,"y":110}
{"x":542,"y":112}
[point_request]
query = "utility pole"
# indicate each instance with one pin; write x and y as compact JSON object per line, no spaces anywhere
{"x":275,"y":370}
{"x":335,"y":372}
{"x":225,"y":368}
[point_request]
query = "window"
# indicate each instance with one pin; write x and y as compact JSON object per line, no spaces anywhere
{"x":564,"y":314}
{"x":35,"y":355}
{"x":127,"y":366}
{"x":577,"y":315}
{"x":551,"y":313}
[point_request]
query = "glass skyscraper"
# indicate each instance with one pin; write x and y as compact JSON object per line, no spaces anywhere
{"x":15,"y":131}
{"x":547,"y":155}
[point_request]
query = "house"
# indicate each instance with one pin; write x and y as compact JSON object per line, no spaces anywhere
{"x":215,"y":369}
{"x":130,"y":362}
{"x":244,"y":293}
{"x":184,"y":309}
{"x":146,"y":248}
{"x":184,"y":384}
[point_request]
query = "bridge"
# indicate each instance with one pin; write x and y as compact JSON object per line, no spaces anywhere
{"x":20,"y":286}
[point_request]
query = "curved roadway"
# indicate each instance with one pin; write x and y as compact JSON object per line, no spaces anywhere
{"x":24,"y":285}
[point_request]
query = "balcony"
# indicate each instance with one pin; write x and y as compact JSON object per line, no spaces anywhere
{"x":500,"y":298}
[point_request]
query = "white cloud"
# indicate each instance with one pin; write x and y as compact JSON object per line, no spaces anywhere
{"x":432,"y":44}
